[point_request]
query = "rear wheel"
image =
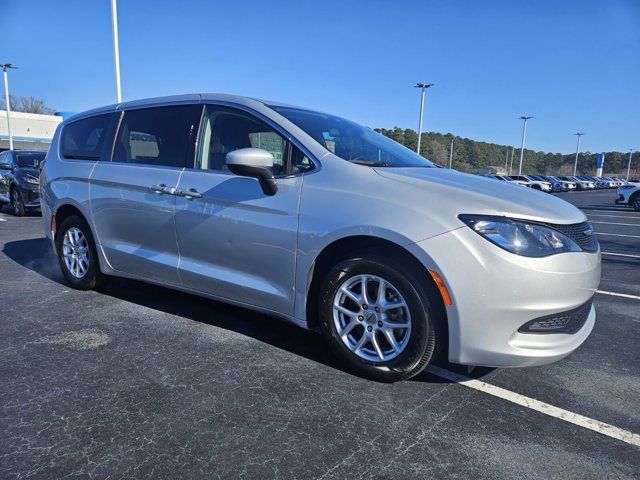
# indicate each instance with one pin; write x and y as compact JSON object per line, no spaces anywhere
{"x":634,"y":202}
{"x":77,"y":254}
{"x":17,"y":204}
{"x":378,"y":318}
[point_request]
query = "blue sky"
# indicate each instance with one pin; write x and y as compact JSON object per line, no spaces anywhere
{"x":574,"y":65}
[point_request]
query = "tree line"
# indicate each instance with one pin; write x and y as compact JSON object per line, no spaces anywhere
{"x":470,"y":155}
{"x":26,"y":105}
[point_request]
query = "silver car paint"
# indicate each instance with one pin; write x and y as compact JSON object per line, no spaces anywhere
{"x":236,"y":242}
{"x":241,"y":247}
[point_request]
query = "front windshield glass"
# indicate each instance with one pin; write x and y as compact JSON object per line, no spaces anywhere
{"x":351,"y":141}
{"x":27,"y":160}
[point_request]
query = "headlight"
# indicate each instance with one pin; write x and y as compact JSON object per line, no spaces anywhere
{"x":31,"y":179}
{"x":519,"y":237}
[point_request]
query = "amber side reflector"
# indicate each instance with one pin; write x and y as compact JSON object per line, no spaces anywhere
{"x":446,"y":298}
{"x":53,"y":225}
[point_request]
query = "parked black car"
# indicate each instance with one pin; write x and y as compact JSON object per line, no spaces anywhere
{"x":20,"y":179}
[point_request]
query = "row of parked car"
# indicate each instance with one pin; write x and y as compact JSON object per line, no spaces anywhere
{"x":561,"y":184}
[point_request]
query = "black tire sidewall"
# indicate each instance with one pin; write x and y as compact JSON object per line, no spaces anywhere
{"x":91,"y":278}
{"x":20,"y":211}
{"x":411,"y":360}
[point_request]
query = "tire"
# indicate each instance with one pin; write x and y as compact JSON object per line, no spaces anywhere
{"x":86,"y":275}
{"x":634,"y":202}
{"x":17,"y":204}
{"x":413,"y":352}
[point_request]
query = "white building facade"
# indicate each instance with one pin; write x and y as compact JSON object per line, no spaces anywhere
{"x":30,"y":131}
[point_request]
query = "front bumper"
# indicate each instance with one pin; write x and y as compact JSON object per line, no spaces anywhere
{"x":621,"y":200}
{"x":30,"y":196}
{"x":495,"y":293}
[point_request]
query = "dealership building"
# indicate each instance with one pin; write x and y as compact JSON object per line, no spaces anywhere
{"x":30,"y":131}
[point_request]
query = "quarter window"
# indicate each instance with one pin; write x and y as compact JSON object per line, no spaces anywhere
{"x":158,"y":136}
{"x":84,"y":139}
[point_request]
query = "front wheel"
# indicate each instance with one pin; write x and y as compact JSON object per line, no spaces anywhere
{"x":378,"y":318}
{"x":635,"y":203}
{"x":17,"y":204}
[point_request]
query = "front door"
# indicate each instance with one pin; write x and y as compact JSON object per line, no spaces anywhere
{"x":131,"y":196}
{"x":235,"y":241}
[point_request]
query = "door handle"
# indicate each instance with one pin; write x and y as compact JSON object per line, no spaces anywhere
{"x":160,"y":189}
{"x":189,"y":194}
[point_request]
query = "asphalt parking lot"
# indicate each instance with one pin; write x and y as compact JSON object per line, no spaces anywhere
{"x":138,"y":381}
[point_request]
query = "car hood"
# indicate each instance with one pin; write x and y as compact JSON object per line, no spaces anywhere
{"x":455,"y":193}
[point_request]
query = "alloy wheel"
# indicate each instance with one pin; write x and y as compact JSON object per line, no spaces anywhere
{"x":371,"y":318}
{"x":75,"y":251}
{"x":15,"y":201}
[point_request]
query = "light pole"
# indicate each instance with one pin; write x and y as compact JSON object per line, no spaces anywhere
{"x":5,"y":66}
{"x":451,"y":155}
{"x":422,"y":87}
{"x":506,"y":162}
{"x":524,"y":134}
{"x":116,"y":50}
{"x":575,"y":165}
{"x":513,"y":152}
{"x":629,"y":165}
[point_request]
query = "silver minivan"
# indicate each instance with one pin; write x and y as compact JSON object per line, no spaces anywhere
{"x":324,"y":223}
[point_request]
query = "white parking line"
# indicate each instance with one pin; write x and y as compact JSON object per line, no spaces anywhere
{"x":617,"y":235}
{"x":3,"y":219}
{"x":615,"y":294}
{"x":620,"y":254}
{"x":542,"y":407}
{"x":614,"y":223}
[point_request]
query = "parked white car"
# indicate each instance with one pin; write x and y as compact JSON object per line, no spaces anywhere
{"x":532,"y":182}
{"x":506,"y":178}
{"x":629,"y":195}
{"x":581,"y":184}
{"x":324,"y":223}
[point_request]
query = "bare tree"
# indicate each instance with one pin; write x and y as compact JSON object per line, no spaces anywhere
{"x":27,"y":105}
{"x":435,"y":152}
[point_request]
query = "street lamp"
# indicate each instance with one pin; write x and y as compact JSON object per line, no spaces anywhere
{"x":451,"y":155}
{"x":629,"y":165}
{"x":423,"y":87}
{"x":6,"y":66}
{"x":524,"y":134}
{"x":575,"y":165}
{"x":116,"y":50}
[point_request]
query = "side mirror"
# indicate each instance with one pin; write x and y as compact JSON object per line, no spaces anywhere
{"x":256,"y":163}
{"x":5,"y":166}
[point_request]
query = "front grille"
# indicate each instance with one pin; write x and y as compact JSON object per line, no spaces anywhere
{"x":581,"y":233}
{"x":569,"y":322}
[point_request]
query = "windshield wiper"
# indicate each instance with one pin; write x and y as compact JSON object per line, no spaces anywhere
{"x":370,"y":163}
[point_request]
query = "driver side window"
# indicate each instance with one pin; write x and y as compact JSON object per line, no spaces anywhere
{"x":226,"y":129}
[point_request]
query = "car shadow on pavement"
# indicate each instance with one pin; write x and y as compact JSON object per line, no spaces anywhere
{"x":37,"y":255}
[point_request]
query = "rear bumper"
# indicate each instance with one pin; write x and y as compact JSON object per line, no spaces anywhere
{"x":495,"y":293}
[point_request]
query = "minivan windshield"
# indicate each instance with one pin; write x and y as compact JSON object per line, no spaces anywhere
{"x":351,"y":141}
{"x":29,"y":160}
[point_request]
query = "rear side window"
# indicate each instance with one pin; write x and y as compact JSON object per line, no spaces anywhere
{"x":84,"y":139}
{"x":162,"y":136}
